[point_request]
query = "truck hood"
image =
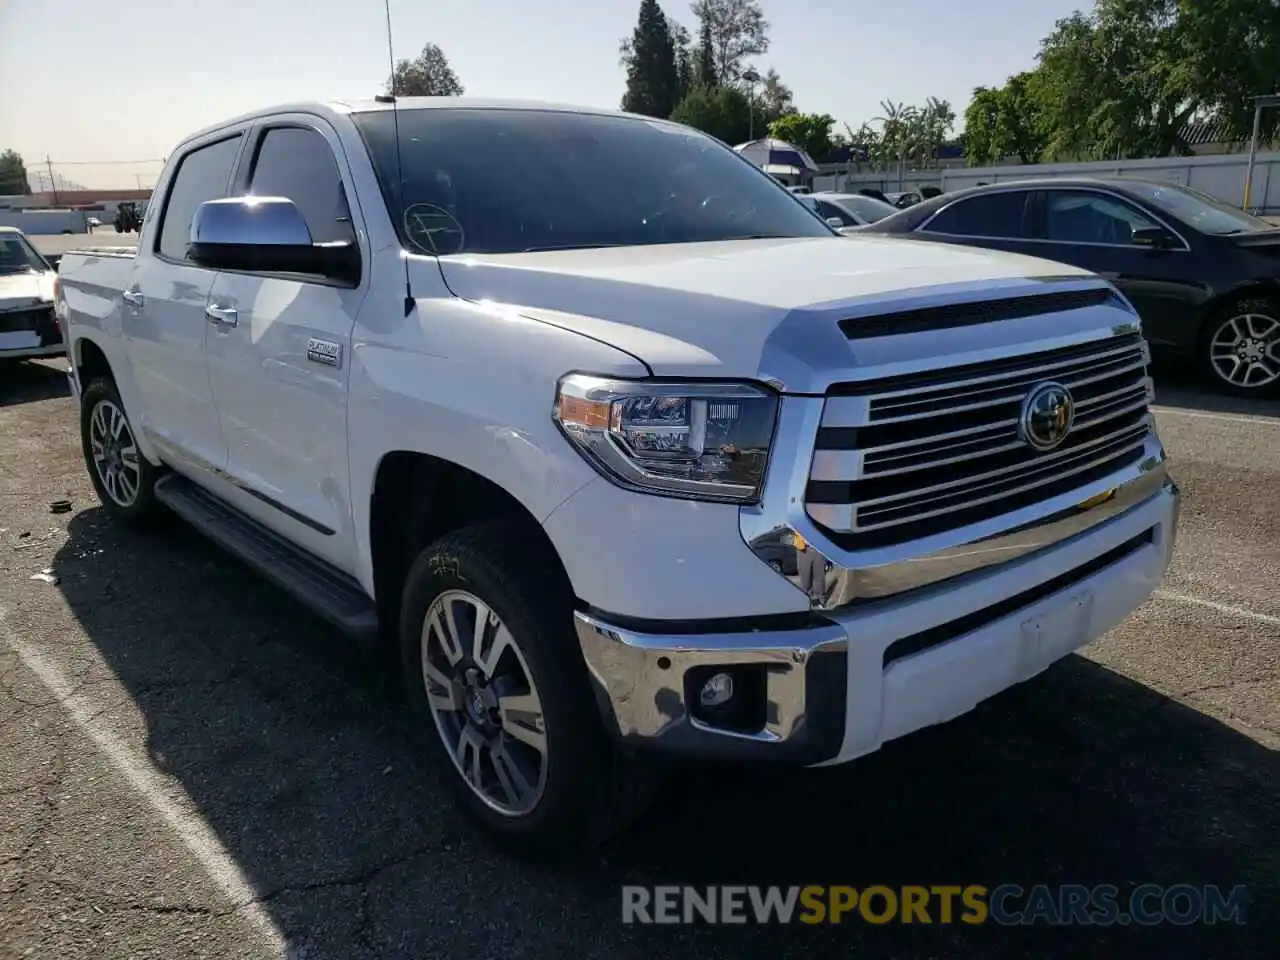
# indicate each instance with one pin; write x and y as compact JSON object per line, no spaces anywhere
{"x":19,"y":290}
{"x":765,"y":309}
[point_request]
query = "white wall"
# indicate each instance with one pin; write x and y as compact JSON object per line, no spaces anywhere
{"x":1221,"y":176}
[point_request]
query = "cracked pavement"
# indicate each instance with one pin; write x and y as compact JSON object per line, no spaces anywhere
{"x":215,"y":773}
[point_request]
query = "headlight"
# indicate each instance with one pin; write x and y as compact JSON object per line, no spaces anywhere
{"x":701,"y":441}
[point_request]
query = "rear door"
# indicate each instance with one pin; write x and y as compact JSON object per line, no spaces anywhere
{"x":279,"y":371}
{"x":163,"y":315}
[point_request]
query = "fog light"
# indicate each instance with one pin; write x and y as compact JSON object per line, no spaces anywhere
{"x":717,"y":690}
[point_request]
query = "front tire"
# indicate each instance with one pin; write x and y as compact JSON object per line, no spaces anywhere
{"x":1240,"y":349}
{"x":500,"y":694}
{"x":122,"y":477}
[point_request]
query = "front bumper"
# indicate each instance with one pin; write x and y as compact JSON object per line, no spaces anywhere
{"x":843,"y":682}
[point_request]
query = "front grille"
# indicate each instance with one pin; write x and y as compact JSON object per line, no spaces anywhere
{"x":908,"y":457}
{"x":39,"y":319}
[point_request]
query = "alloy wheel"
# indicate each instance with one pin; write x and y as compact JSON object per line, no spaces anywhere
{"x":115,"y":453}
{"x":484,"y":702}
{"x":1245,"y":351}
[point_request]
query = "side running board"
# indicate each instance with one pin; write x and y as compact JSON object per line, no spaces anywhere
{"x":330,"y":593}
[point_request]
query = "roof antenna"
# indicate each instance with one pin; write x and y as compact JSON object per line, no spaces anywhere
{"x":390,"y":97}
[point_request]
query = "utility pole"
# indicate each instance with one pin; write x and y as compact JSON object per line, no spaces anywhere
{"x":752,"y":79}
{"x":53,"y":184}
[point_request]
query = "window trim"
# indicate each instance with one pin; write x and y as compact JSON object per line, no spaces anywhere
{"x":1029,"y":191}
{"x":1044,"y":190}
{"x":215,"y":138}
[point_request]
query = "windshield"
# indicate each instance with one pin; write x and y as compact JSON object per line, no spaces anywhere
{"x":1199,"y":210}
{"x":505,"y":181}
{"x":866,"y":209}
{"x":18,"y":256}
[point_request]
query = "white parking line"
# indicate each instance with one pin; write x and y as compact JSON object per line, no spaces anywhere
{"x":1204,"y":415}
{"x":1220,"y":607}
{"x":204,"y":845}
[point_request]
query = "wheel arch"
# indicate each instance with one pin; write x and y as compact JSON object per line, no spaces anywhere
{"x":1260,"y":287}
{"x":418,"y":498}
{"x":90,"y":362}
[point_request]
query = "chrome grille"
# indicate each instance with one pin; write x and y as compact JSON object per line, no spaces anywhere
{"x":907,"y":457}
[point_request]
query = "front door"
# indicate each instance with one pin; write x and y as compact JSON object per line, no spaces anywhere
{"x":1094,"y":230}
{"x":163,"y":318}
{"x":279,"y":356}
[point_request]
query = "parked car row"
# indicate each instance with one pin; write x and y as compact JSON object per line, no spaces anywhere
{"x":1203,"y":275}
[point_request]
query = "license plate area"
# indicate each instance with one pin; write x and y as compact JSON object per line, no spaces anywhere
{"x":1055,"y":633}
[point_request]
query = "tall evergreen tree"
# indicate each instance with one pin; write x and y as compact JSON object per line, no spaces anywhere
{"x":653,"y":83}
{"x":706,"y":57}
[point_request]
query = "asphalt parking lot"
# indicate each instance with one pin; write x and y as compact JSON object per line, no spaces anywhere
{"x":192,"y":766}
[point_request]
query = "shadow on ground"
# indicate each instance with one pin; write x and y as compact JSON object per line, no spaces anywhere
{"x":290,"y":743}
{"x":26,"y":382}
{"x":1179,"y":383}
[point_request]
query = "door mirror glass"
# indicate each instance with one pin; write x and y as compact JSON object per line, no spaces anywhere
{"x":1157,"y":237}
{"x":266,"y":235}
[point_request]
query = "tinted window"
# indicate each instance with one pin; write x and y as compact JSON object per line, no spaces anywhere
{"x":1081,"y":216}
{"x":826,"y":210}
{"x":202,"y":175}
{"x":993,"y":215}
{"x":297,"y":163}
{"x":502,"y":181}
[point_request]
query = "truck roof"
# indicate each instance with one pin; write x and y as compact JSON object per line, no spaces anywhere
{"x":344,"y":107}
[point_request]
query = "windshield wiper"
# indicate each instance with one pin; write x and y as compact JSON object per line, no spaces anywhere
{"x":571,"y":246}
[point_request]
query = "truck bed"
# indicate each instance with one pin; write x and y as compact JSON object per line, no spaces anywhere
{"x":92,"y":281}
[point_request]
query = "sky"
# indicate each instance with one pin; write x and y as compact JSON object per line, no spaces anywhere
{"x":98,"y":84}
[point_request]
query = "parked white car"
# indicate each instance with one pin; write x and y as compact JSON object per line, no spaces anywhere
{"x":27,"y":324}
{"x":852,"y":209}
{"x":550,"y":434}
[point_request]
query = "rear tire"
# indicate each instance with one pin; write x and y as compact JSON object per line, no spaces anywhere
{"x":122,"y":477}
{"x":507,"y":713}
{"x":1240,"y":348}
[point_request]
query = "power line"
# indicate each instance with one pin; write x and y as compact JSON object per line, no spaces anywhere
{"x":98,"y":163}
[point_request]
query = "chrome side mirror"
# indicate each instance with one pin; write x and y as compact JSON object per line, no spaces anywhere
{"x":265,"y":235}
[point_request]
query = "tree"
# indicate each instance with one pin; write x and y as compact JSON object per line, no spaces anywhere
{"x":682,"y":43}
{"x":13,"y":174}
{"x":776,"y":99}
{"x":653,"y":81}
{"x":811,"y":132}
{"x":738,"y":31}
{"x":1004,"y":122}
{"x":707,"y":75}
{"x":428,"y":76}
{"x":937,"y":120}
{"x":722,"y":111}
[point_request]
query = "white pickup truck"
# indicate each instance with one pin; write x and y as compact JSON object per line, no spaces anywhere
{"x":631,"y":454}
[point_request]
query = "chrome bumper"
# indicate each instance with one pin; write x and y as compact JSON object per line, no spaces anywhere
{"x":858,"y":577}
{"x":841,"y":683}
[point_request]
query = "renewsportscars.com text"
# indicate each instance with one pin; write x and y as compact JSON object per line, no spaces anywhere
{"x":1007,"y":905}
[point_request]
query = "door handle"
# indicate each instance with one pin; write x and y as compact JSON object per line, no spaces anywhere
{"x":221,"y":316}
{"x":134,"y":298}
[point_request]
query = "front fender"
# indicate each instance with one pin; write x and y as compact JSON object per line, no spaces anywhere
{"x":474,"y":387}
